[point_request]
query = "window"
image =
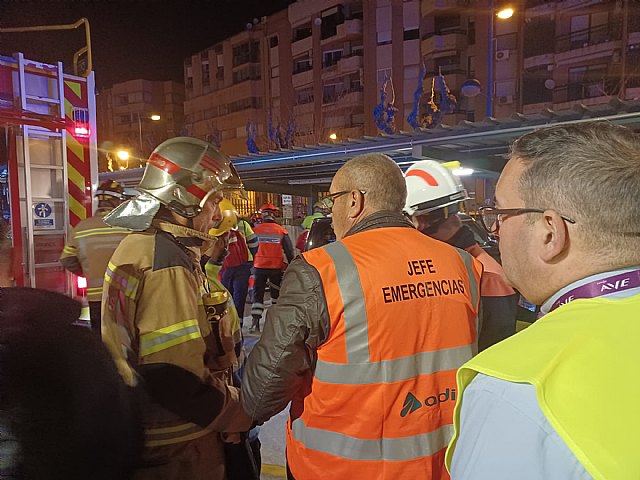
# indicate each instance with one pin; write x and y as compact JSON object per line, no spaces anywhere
{"x":123,"y":100}
{"x":304,"y":96}
{"x":332,"y":92}
{"x":413,"y":34}
{"x":331,"y":57}
{"x":383,"y":74}
{"x":383,"y":38}
{"x":330,"y":21}
{"x":302,"y":32}
{"x":205,"y":73}
{"x":124,"y":119}
{"x":250,"y":72}
{"x":273,"y":41}
{"x":588,"y":82}
{"x":539,"y":36}
{"x":471,"y":31}
{"x":275,"y":72}
{"x":534,"y":89}
{"x":302,"y":64}
{"x":246,"y":53}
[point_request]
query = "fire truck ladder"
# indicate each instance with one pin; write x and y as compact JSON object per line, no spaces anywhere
{"x":44,"y":156}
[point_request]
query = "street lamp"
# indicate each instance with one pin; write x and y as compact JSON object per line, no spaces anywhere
{"x":333,"y":136}
{"x":155,"y":117}
{"x":503,"y":14}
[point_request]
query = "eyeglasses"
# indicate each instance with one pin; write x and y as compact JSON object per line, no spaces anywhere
{"x":491,"y":217}
{"x":335,"y":195}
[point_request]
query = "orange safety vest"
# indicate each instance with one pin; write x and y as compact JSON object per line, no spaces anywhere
{"x":403,"y":310}
{"x":270,"y":237}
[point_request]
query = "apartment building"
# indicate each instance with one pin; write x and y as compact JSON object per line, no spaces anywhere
{"x":316,"y":69}
{"x":124,"y":120}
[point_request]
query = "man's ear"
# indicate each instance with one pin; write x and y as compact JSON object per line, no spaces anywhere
{"x":554,"y":236}
{"x":356,"y":203}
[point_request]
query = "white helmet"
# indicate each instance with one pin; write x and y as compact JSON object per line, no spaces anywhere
{"x":431,"y":186}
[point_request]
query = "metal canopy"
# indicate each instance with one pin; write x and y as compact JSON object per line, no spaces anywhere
{"x":481,"y":145}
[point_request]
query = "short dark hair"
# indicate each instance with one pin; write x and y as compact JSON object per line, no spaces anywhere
{"x":60,"y":392}
{"x":591,"y":173}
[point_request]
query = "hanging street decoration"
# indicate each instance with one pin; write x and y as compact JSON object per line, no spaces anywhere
{"x":384,"y":113}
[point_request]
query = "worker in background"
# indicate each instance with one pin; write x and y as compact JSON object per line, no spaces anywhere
{"x":321,"y":209}
{"x":559,"y":400}
{"x":273,"y":240}
{"x":65,"y":413}
{"x":160,"y":316}
{"x":366,"y":338}
{"x":238,"y":259}
{"x":91,"y":244}
{"x":434,"y":197}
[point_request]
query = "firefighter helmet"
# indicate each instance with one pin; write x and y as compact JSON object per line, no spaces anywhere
{"x":183,"y":172}
{"x":111,"y":189}
{"x":431,"y":186}
{"x":325,"y":204}
{"x":268,"y":207}
{"x":229,"y":219}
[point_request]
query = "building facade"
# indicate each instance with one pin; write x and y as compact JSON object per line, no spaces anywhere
{"x":315,"y":72}
{"x":125,"y":123}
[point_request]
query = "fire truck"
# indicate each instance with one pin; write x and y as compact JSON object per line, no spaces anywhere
{"x":48,"y":165}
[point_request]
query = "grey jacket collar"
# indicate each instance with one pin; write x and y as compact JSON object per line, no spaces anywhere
{"x":381,"y":219}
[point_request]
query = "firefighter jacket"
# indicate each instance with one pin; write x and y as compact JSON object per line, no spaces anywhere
{"x":155,"y":324}
{"x":273,"y":239}
{"x":499,"y":301}
{"x":582,"y":360}
{"x":87,"y":253}
{"x":365,"y":341}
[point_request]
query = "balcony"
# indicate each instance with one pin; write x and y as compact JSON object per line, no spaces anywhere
{"x":430,"y":7}
{"x":302,"y":78}
{"x":303,"y":109}
{"x":301,"y":46}
{"x":346,"y":99}
{"x":447,"y":40}
{"x":349,"y":64}
{"x":603,"y":35}
{"x":588,"y":93}
{"x":350,"y":28}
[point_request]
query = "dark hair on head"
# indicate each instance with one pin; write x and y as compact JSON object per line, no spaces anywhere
{"x":71,"y":413}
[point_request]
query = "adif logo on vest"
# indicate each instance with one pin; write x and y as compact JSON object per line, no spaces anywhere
{"x":411,"y":403}
{"x":614,"y":286}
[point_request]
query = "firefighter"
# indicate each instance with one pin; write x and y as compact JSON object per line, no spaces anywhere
{"x":91,"y":244}
{"x":273,"y":240}
{"x":160,"y":317}
{"x":434,"y":197}
{"x":366,"y":339}
{"x":242,"y":243}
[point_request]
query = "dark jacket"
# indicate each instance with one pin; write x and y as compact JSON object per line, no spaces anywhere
{"x":281,"y":364}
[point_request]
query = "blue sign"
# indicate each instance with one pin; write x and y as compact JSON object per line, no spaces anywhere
{"x":44,"y":218}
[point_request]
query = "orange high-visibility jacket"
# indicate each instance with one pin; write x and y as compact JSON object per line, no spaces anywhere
{"x":403,"y":311}
{"x":270,"y":237}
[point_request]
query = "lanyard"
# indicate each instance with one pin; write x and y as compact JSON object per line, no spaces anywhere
{"x":598,"y":288}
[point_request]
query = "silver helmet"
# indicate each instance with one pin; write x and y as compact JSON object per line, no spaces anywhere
{"x":183,"y":172}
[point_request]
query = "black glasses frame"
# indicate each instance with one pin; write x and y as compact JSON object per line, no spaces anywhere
{"x":335,"y":195}
{"x":494,"y":227}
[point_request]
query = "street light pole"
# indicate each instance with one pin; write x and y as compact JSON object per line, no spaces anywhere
{"x":489,"y":111}
{"x":140,"y":132}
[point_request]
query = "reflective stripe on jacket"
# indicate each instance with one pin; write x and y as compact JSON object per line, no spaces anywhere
{"x":270,"y":236}
{"x":403,"y":311}
{"x":90,"y":246}
{"x":154,"y":320}
{"x":582,"y":360}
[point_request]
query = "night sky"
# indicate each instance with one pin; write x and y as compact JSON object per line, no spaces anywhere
{"x":130,"y":39}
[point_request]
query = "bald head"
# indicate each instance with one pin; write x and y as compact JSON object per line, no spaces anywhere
{"x":378,"y":176}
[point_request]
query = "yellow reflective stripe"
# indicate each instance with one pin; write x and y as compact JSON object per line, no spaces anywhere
{"x":69,"y":250}
{"x":168,"y":337}
{"x":158,"y":437}
{"x":85,"y":313}
{"x":91,"y":290}
{"x":127,"y":283}
{"x":102,"y":231}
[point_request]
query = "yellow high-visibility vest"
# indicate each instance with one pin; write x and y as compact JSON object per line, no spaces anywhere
{"x":582,"y":359}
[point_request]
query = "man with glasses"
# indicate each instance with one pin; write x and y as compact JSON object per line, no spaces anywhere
{"x":366,"y":338}
{"x":434,"y":197}
{"x":559,"y":400}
